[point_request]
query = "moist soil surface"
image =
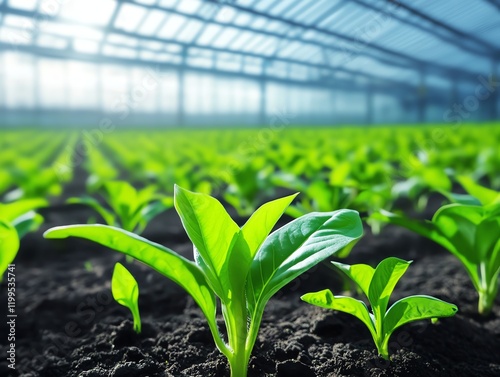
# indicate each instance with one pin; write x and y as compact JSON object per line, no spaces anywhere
{"x":68,"y":324}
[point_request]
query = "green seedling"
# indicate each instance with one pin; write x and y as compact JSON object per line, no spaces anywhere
{"x":470,"y":232}
{"x":377,"y":285}
{"x":131,"y":209}
{"x":126,"y":292}
{"x":246,"y":184}
{"x":16,"y":219}
{"x":242,"y":267}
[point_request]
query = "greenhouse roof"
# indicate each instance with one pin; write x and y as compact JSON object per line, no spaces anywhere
{"x":375,"y":41}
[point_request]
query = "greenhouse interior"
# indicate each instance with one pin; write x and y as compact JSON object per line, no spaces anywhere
{"x":235,"y":188}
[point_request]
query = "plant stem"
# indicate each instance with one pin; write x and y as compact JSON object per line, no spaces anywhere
{"x":238,"y":364}
{"x":383,"y":348}
{"x":137,"y":320}
{"x":485,"y":303}
{"x":236,"y":323}
{"x":488,"y":290}
{"x":381,"y":342}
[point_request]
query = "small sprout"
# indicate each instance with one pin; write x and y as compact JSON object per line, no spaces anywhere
{"x":126,"y":292}
{"x":377,"y":284}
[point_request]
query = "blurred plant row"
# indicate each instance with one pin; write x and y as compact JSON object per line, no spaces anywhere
{"x":357,"y":168}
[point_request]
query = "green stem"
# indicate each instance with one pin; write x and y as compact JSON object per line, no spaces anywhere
{"x":236,"y":322}
{"x":485,"y":302}
{"x":238,"y":364}
{"x":382,"y":342}
{"x":383,"y":348}
{"x":137,"y":320}
{"x":487,"y":292}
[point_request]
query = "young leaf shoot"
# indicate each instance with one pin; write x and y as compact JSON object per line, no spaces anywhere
{"x":377,"y":285}
{"x":126,"y":292}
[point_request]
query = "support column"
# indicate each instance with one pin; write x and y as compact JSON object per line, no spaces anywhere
{"x":369,"y":105}
{"x":263,"y":101}
{"x":3,"y":86}
{"x":422,"y":97}
{"x":181,"y":101}
{"x":454,"y":95}
{"x":495,"y":96}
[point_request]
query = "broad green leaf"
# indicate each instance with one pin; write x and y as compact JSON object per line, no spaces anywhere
{"x":484,"y":195}
{"x":458,"y":223}
{"x":122,"y":198}
{"x":298,"y":246}
{"x":385,"y":278}
{"x":29,"y":222}
{"x":414,"y":308}
{"x":326,"y":299}
{"x":461,"y":198}
{"x":146,"y":195}
{"x":182,"y":271}
{"x":424,"y":228}
{"x":107,"y":216}
{"x":125,"y":291}
{"x":152,"y":210}
{"x":212,"y":232}
{"x":12,"y":211}
{"x":487,"y":234}
{"x":251,"y":237}
{"x":9,"y":245}
{"x":493,"y":266}
{"x":361,"y":274}
{"x":261,"y":223}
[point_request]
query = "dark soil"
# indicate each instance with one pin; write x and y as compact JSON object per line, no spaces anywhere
{"x":68,"y":324}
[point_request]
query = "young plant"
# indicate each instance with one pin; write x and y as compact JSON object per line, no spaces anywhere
{"x":470,"y":232}
{"x":377,"y":285}
{"x":16,"y":219}
{"x":242,"y":267}
{"x":131,"y":209}
{"x":126,"y":292}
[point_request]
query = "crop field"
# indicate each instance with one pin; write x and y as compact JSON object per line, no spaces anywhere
{"x":273,"y":251}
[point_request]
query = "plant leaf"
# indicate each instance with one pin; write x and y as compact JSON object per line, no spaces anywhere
{"x":212,"y":232}
{"x":414,"y":308}
{"x":122,"y":197}
{"x":250,"y":238}
{"x":107,"y":216}
{"x":459,"y":223}
{"x":296,"y":247}
{"x":361,"y":274}
{"x":485,"y":195}
{"x":182,"y":271}
{"x":424,"y":228}
{"x":385,"y":278}
{"x":12,"y":211}
{"x":9,"y":245}
{"x":28,"y":222}
{"x":326,"y":299}
{"x":125,"y":291}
